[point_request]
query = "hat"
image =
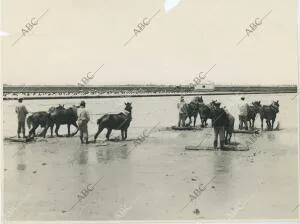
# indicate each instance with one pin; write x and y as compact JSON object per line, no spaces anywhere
{"x":217,"y":103}
{"x":82,"y":103}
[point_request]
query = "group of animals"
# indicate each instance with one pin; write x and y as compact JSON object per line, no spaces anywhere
{"x":206,"y":111}
{"x":61,"y":115}
{"x":267,"y":112}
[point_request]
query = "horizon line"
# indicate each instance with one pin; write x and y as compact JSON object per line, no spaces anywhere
{"x":74,"y":85}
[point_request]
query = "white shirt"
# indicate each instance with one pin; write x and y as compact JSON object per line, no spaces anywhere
{"x":243,"y":107}
{"x":83,"y":114}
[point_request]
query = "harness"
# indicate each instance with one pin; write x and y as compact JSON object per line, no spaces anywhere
{"x":126,"y":113}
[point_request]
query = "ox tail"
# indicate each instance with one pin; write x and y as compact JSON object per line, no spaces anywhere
{"x":29,"y":121}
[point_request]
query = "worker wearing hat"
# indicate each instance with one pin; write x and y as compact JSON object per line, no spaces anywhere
{"x":22,"y":113}
{"x":243,"y":113}
{"x":218,"y":122}
{"x":83,"y":120}
{"x":183,"y":112}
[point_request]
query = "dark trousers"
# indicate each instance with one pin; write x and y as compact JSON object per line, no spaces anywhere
{"x":21,"y":128}
{"x":243,"y":121}
{"x":219,"y":131}
{"x":83,"y":130}
{"x":182,"y":118}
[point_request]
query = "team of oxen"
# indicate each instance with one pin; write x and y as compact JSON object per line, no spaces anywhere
{"x":267,"y":112}
{"x":206,"y":111}
{"x":68,"y":116}
{"x":60,"y":116}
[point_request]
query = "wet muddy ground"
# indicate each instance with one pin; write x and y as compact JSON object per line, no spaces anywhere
{"x":157,"y":179}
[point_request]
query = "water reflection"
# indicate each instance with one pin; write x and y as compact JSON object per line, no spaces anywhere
{"x":222,"y":172}
{"x":104,"y":155}
{"x":271,"y":136}
{"x":222,"y":162}
{"x":83,"y":156}
{"x":125,"y":151}
{"x":21,"y":153}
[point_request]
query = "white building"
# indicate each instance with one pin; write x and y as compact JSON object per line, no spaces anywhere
{"x":205,"y":86}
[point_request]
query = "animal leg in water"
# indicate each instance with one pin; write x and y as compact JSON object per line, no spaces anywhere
{"x":51,"y":129}
{"x":56,"y":130}
{"x":108,"y":133}
{"x":122,"y":134}
{"x":202,"y":122}
{"x":273,"y":121}
{"x":75,"y":125}
{"x":268,"y":124}
{"x":69,"y":129}
{"x":32,"y":131}
{"x":226,"y":137}
{"x":190,"y":118}
{"x":44,"y":132}
{"x":126,"y":133}
{"x":100,"y":129}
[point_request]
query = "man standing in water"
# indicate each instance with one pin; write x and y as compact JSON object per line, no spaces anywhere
{"x":83,"y":120}
{"x":183,"y":113}
{"x":243,"y":114}
{"x":22,"y":113}
{"x":218,"y":122}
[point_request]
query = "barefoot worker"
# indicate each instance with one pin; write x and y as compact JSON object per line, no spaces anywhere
{"x":218,"y":123}
{"x":22,"y":113}
{"x":83,"y":120}
{"x":183,"y":112}
{"x":243,"y":115}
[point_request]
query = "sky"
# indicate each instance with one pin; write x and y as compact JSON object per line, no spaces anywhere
{"x":75,"y":37}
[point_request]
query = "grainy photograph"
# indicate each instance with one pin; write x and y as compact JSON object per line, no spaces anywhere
{"x":149,"y":110}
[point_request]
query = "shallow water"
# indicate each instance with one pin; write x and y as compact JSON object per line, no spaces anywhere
{"x":153,"y":180}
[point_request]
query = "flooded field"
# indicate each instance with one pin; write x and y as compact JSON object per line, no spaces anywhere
{"x":60,"y":179}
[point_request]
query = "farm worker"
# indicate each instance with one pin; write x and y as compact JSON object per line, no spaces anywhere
{"x":83,"y":120}
{"x":219,"y":119}
{"x":22,"y":113}
{"x":183,"y":112}
{"x":243,"y":113}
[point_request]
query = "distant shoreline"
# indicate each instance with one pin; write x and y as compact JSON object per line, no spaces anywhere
{"x":121,"y":91}
{"x":143,"y":95}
